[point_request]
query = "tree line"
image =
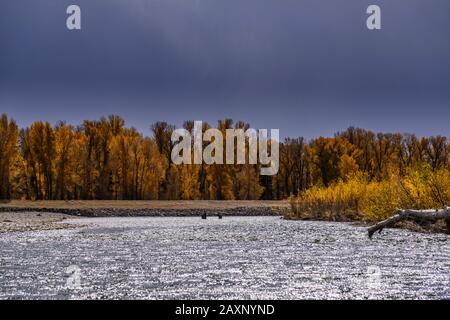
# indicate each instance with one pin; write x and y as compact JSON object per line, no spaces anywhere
{"x":104,"y":160}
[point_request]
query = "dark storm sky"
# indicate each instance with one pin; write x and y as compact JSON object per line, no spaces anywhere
{"x":307,"y":67}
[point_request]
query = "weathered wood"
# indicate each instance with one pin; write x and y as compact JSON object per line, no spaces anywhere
{"x":402,"y":214}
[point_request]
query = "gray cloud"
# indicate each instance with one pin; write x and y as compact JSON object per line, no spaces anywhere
{"x":306,"y":66}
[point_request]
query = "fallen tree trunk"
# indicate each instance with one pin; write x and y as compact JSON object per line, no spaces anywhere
{"x":429,"y":215}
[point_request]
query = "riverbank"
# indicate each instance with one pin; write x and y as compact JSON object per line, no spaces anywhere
{"x":44,"y":215}
{"x":33,"y":221}
{"x":359,"y":220}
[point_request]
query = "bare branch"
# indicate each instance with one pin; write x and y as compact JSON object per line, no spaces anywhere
{"x":401,"y":214}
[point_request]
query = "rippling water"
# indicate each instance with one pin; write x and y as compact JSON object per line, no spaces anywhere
{"x":233,"y":258}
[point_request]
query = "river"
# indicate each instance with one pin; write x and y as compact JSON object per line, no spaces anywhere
{"x":232,"y":258}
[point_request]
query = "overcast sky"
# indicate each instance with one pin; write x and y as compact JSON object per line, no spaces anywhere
{"x":307,"y":67}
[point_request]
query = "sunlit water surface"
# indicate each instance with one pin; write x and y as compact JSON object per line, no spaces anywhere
{"x":232,"y":258}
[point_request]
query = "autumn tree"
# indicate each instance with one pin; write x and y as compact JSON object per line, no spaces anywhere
{"x":38,"y":151}
{"x":162,"y":133}
{"x":65,"y":153}
{"x":8,"y":149}
{"x":103,"y":159}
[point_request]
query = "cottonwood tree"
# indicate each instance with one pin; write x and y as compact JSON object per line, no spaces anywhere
{"x":8,"y":149}
{"x":103,"y":159}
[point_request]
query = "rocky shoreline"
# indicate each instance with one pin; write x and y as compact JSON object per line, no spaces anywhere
{"x":33,"y":221}
{"x":151,"y":212}
{"x":13,"y":219}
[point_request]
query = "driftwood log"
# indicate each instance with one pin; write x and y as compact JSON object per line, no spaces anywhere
{"x":429,"y":215}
